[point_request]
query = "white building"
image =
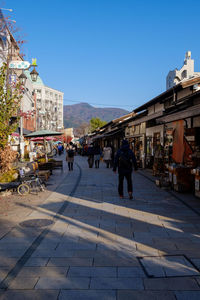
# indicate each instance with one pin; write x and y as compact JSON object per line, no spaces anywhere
{"x":186,"y":72}
{"x":49,"y":106}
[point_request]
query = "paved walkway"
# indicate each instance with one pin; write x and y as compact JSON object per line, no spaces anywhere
{"x":98,"y":246}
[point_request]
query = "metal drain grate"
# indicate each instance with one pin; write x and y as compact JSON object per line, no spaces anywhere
{"x":168,"y":266}
{"x":36,"y":223}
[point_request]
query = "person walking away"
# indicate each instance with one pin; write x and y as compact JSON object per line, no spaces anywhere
{"x":90,"y":153}
{"x":124,"y":162}
{"x":107,"y":155}
{"x":70,"y":156}
{"x":97,"y":155}
{"x":59,"y":149}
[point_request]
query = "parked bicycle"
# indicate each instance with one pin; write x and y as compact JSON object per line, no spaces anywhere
{"x":30,"y":184}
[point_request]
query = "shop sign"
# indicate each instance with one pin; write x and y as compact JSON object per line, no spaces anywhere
{"x":20,"y":65}
{"x":197,"y":185}
{"x":12,"y":79}
{"x":190,"y":138}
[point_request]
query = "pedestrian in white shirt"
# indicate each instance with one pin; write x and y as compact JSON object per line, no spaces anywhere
{"x":107,"y":155}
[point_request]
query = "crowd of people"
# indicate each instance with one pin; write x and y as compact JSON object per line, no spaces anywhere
{"x":123,"y":160}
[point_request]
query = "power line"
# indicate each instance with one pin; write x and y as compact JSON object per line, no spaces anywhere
{"x":111,"y":105}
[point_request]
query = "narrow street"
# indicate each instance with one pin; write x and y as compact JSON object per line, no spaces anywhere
{"x":97,"y":246}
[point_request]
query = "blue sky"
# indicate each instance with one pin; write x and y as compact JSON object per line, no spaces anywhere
{"x":112,"y":52}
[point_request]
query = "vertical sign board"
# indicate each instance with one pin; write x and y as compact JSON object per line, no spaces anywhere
{"x":12,"y":79}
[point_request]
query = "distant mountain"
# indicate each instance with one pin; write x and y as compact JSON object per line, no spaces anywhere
{"x":77,"y":114}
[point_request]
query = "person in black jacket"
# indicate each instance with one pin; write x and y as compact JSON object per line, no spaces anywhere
{"x":90,"y":153}
{"x":97,"y":155}
{"x":124,"y":161}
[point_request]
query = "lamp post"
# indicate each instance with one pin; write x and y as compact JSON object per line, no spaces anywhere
{"x":34,"y":74}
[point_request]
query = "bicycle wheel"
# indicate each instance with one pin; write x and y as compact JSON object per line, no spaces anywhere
{"x":23,"y":189}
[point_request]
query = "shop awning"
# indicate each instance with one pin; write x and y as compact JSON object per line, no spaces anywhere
{"x":184,"y":114}
{"x":43,"y":133}
{"x":113,"y":132}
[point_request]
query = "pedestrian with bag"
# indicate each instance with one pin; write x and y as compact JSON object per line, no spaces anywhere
{"x":60,"y":148}
{"x":70,"y":156}
{"x":124,"y":162}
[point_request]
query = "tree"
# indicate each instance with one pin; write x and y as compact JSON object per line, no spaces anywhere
{"x":96,"y":123}
{"x":82,"y":130}
{"x":10,"y":97}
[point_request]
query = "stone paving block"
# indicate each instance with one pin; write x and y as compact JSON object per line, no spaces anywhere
{"x":17,"y":240}
{"x":124,"y":232}
{"x":173,"y":284}
{"x":116,"y":283}
{"x":155,"y":271}
{"x":8,"y":262}
{"x":76,"y":246}
{"x":23,"y":283}
{"x":74,"y":261}
{"x":130,"y":272}
{"x":62,"y":253}
{"x":3,"y":273}
{"x":84,"y":253}
{"x":43,"y":271}
{"x":187,"y":246}
{"x":87,"y":295}
{"x":188,"y":295}
{"x":29,"y":295}
{"x":92,"y":272}
{"x":116,"y":246}
{"x":18,"y":246}
{"x":146,"y":250}
{"x":144,"y":295}
{"x":168,"y":266}
{"x":72,"y":283}
{"x":179,"y":266}
{"x":110,"y":253}
{"x":12,"y":252}
{"x":37,"y":262}
{"x":192,"y":254}
{"x":115,"y":261}
{"x":43,"y":253}
{"x":47,"y":245}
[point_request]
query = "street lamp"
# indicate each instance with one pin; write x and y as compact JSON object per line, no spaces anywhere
{"x":34,"y":75}
{"x":22,"y":78}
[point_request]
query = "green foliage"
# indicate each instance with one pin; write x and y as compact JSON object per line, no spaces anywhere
{"x":8,"y":176}
{"x":10,"y":98}
{"x":96,"y":123}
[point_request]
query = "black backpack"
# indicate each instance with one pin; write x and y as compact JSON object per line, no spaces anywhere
{"x":70,"y":153}
{"x":125,"y":161}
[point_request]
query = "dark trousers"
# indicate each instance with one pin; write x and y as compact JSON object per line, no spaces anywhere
{"x":90,"y":161}
{"x":70,"y":166}
{"x":121,"y":181}
{"x":96,"y":163}
{"x":108,"y":163}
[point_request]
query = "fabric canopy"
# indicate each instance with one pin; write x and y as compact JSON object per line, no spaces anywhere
{"x":43,"y":133}
{"x":40,"y":139}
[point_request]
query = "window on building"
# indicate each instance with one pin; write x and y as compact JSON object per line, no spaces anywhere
{"x":184,"y":74}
